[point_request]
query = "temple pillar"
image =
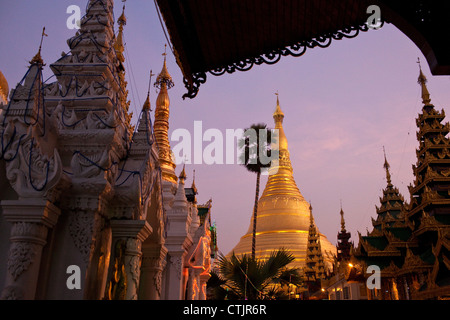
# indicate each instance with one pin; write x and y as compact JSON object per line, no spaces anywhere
{"x":31,"y":219}
{"x":153,"y":264}
{"x":204,"y":277}
{"x":91,"y":235}
{"x":194,"y":286}
{"x":127,"y":236}
{"x":175,"y":279}
{"x":394,"y":290}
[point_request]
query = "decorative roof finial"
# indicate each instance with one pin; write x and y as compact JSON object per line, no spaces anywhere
{"x":122,"y":19}
{"x":183,"y":174}
{"x":165,"y":51}
{"x":387,"y":166}
{"x":147,"y":101}
{"x":311,"y":218}
{"x":193,"y":184}
{"x":278,"y":115}
{"x":342,"y":219}
{"x":422,"y":80}
{"x":164,"y":76}
{"x":37,"y":58}
{"x":118,"y":45}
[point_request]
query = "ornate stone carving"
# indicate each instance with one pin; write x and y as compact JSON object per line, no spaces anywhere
{"x":134,"y":250}
{"x":26,"y":238}
{"x":82,"y":225}
{"x":31,"y":172}
{"x":21,"y":256}
{"x":88,"y":166}
{"x":178,"y":264}
{"x":12,"y":292}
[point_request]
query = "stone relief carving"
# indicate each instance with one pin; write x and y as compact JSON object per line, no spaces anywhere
{"x":82,"y":228}
{"x":28,"y":169}
{"x":177,"y":263}
{"x":134,"y":245}
{"x":21,"y":256}
{"x":12,"y":293}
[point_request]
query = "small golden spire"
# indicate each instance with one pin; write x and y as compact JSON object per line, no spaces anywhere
{"x":278,"y":115}
{"x":183,"y":174}
{"x":193,"y":183}
{"x":122,"y":19}
{"x":118,"y":45}
{"x":387,"y":166}
{"x":146,"y":106}
{"x":422,"y":80}
{"x":311,"y":218}
{"x":37,"y":58}
{"x":164,"y":77}
{"x":161,"y":125}
{"x":342,"y":219}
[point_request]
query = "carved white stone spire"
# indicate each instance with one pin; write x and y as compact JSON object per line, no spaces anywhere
{"x":180,"y":200}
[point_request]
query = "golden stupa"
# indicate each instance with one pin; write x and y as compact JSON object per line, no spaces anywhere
{"x":4,"y":88}
{"x":283,"y":216}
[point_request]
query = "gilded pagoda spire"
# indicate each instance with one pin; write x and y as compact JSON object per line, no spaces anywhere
{"x":193,"y":186}
{"x":281,"y":180}
{"x":422,"y":80}
{"x":342,"y":220}
{"x":183,"y":175}
{"x":118,"y":45}
{"x":146,"y":106}
{"x":387,"y":166}
{"x":163,"y":83}
{"x":278,"y":117}
{"x":283,"y":216}
{"x":119,"y":48}
{"x":37,"y":59}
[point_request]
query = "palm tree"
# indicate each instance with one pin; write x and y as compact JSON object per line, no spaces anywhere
{"x":263,"y":276}
{"x":255,"y":143}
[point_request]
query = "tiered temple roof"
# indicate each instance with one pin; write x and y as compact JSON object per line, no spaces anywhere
{"x":314,"y":269}
{"x":411,"y":242}
{"x":344,"y":246}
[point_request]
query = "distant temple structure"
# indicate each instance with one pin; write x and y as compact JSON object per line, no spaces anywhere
{"x":90,"y":205}
{"x":410,"y":242}
{"x":314,"y":269}
{"x":284,"y":217}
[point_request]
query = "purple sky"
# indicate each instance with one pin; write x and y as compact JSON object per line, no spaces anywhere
{"x":341,"y":105}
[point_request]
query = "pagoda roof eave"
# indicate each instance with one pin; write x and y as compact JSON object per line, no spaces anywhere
{"x":220,"y":37}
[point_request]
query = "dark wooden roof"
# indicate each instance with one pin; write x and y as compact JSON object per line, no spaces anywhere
{"x":219,"y":36}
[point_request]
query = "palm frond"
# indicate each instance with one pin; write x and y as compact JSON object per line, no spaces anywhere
{"x":254,"y":278}
{"x":255,"y":142}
